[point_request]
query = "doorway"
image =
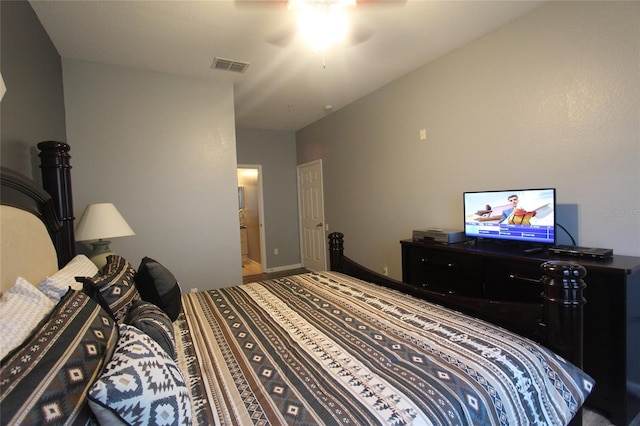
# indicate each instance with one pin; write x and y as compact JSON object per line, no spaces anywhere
{"x":250,"y":211}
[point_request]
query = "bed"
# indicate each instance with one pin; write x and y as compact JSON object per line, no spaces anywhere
{"x":346,"y":346}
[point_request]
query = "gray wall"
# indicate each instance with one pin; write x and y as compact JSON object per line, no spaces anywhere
{"x":173,"y":186}
{"x":162,"y":149}
{"x":32,"y":109}
{"x":550,"y":99}
{"x":276,"y":152}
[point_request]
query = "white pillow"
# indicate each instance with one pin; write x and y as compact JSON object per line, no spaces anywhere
{"x":58,"y":284}
{"x":22,"y":307}
{"x":53,"y":289}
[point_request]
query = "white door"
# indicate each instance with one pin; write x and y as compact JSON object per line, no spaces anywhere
{"x":313,"y":243}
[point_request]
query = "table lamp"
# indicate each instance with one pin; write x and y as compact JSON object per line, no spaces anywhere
{"x":100,"y":221}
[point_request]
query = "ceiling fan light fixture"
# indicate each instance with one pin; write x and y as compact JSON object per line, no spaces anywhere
{"x":322,"y":22}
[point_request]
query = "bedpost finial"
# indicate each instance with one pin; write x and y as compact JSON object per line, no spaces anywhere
{"x":563,"y":292}
{"x":336,"y":240}
{"x":563,"y":282}
{"x":336,"y":249}
{"x":53,"y":145}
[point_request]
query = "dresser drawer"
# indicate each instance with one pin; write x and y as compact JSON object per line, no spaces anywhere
{"x":444,"y":272}
{"x":512,"y":281}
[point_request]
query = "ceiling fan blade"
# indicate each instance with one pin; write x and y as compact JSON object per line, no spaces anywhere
{"x":260,"y":4}
{"x":240,"y":4}
{"x":389,"y":3}
{"x":359,"y":33}
{"x":281,"y":38}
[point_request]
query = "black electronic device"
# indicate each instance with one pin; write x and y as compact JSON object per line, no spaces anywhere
{"x":590,"y":252}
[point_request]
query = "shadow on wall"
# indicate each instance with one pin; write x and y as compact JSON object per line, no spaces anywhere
{"x":23,"y":158}
{"x":567,"y":218}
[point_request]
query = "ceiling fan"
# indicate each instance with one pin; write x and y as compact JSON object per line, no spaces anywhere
{"x":321,"y":23}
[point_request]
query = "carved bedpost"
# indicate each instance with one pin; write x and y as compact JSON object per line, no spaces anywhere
{"x":56,"y":180}
{"x":563,"y":293}
{"x":336,"y":251}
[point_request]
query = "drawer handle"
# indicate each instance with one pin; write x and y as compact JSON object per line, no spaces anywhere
{"x":516,"y":277}
{"x":441,"y":293}
{"x":448,"y":265}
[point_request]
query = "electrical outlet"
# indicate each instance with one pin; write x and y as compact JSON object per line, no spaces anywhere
{"x":423,"y":134}
{"x":275,"y":251}
{"x":194,"y":290}
{"x":385,"y":270}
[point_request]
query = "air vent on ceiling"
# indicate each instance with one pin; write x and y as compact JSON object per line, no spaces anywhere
{"x":229,"y":65}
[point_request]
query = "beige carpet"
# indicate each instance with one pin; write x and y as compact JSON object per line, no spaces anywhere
{"x":594,"y":418}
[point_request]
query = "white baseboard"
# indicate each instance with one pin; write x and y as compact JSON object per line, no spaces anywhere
{"x":284,"y":268}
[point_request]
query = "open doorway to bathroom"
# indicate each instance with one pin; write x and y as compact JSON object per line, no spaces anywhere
{"x":250,"y":210}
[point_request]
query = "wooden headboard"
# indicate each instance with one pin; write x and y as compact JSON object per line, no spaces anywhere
{"x":36,"y":225}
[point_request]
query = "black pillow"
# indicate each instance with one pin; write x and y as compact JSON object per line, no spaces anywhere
{"x":151,"y":320}
{"x":156,"y":284}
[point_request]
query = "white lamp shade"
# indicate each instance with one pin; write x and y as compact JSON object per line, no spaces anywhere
{"x":100,"y":221}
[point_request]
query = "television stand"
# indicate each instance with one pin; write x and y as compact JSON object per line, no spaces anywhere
{"x":504,"y":272}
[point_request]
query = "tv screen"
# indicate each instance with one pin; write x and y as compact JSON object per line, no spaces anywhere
{"x":521,"y":215}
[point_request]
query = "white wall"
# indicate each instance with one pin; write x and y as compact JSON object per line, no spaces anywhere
{"x":162,"y":149}
{"x":549,"y":100}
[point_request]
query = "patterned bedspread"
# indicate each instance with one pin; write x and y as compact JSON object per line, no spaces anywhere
{"x":329,"y":349}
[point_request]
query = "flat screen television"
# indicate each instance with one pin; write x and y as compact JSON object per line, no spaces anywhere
{"x":520,"y":215}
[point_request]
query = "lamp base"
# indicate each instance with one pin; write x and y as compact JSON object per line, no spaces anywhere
{"x":100,"y":252}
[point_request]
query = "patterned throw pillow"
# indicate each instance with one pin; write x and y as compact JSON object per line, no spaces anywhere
{"x":147,"y":317}
{"x":157,"y":285}
{"x":22,"y":308}
{"x":141,"y":385}
{"x":114,"y":287}
{"x":45,"y":381}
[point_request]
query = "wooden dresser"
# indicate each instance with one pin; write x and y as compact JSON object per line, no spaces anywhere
{"x":611,"y":315}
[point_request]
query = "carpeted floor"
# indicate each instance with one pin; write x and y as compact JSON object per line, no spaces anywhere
{"x":594,"y":418}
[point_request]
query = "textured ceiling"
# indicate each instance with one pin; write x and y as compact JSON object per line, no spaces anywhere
{"x":286,"y":86}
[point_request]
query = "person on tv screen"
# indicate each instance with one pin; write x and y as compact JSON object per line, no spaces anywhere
{"x":513,"y":199}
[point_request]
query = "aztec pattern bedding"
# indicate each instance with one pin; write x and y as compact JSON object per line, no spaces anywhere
{"x":324,"y":348}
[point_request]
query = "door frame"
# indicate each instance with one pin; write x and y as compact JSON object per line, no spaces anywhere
{"x":300,"y":218}
{"x":263,"y":250}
